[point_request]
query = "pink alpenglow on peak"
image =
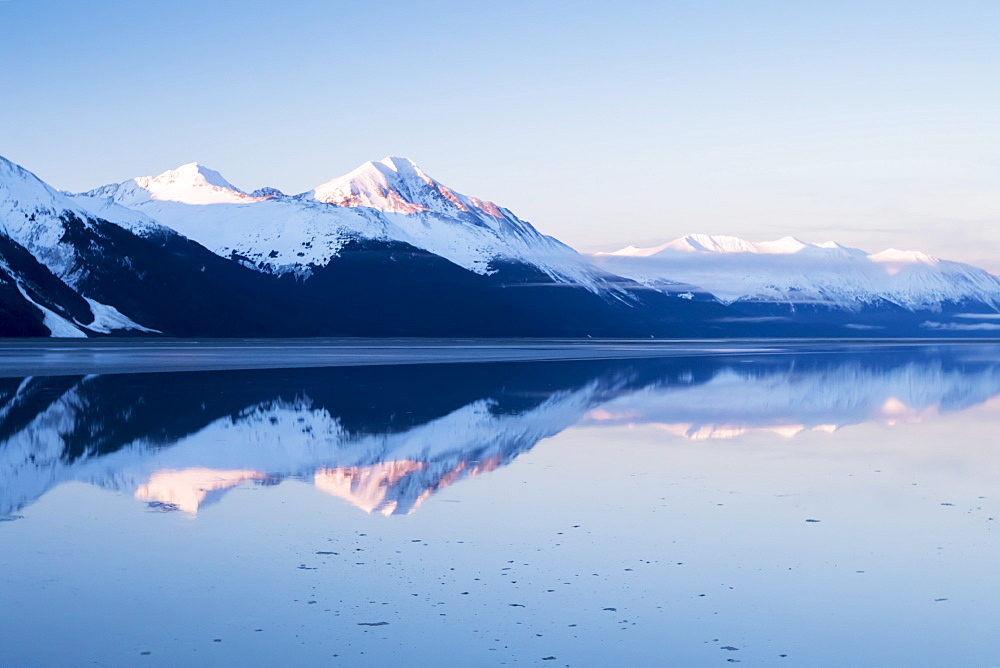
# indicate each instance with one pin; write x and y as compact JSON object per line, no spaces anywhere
{"x":397,"y":185}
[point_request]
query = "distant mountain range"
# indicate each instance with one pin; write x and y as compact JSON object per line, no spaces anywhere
{"x":386,"y":250}
{"x":799,"y":274}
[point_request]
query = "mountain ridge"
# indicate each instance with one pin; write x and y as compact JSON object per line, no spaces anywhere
{"x":789,"y":271}
{"x":387,"y":250}
{"x":388,"y":200}
{"x":148,"y":276}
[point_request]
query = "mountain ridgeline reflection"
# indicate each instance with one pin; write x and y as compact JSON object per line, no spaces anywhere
{"x":387,"y":438}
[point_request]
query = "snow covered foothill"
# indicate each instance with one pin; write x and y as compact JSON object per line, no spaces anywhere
{"x":792,"y":271}
{"x":108,"y":319}
{"x":33,"y":214}
{"x":58,"y":326}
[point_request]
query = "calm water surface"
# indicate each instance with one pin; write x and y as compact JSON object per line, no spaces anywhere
{"x":789,"y":507}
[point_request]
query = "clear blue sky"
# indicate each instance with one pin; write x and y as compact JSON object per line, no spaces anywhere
{"x":872,"y":123}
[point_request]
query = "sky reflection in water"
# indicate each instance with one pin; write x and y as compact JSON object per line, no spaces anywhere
{"x":835,"y":508}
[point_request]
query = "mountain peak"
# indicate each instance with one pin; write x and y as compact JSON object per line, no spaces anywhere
{"x":782,"y":246}
{"x":198,"y":172}
{"x":391,"y":185}
{"x":397,"y":163}
{"x":893,"y":256}
{"x":21,"y":189}
{"x":191,"y":183}
{"x":723,"y":244}
{"x":397,"y":185}
{"x":713,"y":243}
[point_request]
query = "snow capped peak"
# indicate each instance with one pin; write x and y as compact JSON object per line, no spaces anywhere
{"x":22,"y":190}
{"x":387,"y":185}
{"x":720,"y":243}
{"x":631,"y":251}
{"x":893,"y":256}
{"x":10,"y":171}
{"x":725,"y":244}
{"x":781,"y":246}
{"x":692,"y":243}
{"x":397,"y":164}
{"x":194,"y":172}
{"x":192,"y":183}
{"x":397,"y":185}
{"x":28,"y":207}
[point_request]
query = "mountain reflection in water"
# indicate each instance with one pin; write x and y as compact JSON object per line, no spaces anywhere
{"x":387,"y":438}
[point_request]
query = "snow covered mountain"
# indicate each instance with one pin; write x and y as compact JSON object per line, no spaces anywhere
{"x":827,"y":275}
{"x":66,"y":271}
{"x":80,"y":265}
{"x":386,"y":250}
{"x":391,"y":200}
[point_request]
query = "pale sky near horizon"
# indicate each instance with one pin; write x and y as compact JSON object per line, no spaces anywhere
{"x":604,"y":124}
